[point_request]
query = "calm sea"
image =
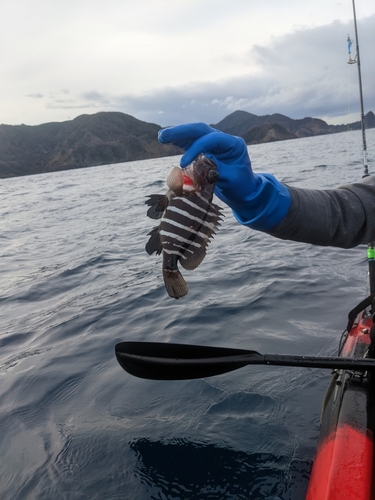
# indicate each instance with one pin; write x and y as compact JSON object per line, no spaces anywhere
{"x":75,"y":280}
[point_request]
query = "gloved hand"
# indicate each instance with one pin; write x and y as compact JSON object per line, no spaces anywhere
{"x":259,"y":201}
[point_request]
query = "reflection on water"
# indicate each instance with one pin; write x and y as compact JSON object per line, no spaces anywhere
{"x":185,"y":470}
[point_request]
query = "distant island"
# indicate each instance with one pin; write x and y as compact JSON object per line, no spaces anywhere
{"x":113,"y":137}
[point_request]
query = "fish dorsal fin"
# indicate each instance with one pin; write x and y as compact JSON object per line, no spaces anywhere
{"x":175,"y":180}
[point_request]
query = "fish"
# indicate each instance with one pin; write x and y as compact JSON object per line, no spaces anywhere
{"x":189,"y":221}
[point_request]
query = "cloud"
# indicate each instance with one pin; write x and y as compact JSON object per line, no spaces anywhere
{"x":304,"y":73}
{"x":35,"y":96}
{"x":106,"y":65}
{"x":96,"y":97}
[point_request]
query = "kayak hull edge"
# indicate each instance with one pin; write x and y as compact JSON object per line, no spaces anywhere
{"x":343,"y":467}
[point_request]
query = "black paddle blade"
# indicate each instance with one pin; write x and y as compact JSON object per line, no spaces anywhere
{"x":162,"y":361}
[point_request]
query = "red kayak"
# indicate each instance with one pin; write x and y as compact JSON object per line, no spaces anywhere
{"x":344,"y":465}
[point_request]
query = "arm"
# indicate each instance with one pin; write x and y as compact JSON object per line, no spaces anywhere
{"x":343,"y":217}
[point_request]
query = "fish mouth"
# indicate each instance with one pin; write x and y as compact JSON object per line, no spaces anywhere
{"x":188,"y":185}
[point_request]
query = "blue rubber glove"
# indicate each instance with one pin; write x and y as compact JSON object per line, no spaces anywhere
{"x":259,"y":201}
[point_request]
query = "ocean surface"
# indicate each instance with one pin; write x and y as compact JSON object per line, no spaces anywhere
{"x":75,"y":280}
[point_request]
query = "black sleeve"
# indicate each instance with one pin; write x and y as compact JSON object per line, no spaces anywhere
{"x":343,"y":217}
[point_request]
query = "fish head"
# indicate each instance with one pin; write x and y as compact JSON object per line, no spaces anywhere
{"x":194,"y":178}
{"x":199,"y":174}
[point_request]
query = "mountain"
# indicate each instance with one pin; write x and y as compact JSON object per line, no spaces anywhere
{"x":269,"y":132}
{"x":241,"y":122}
{"x":86,"y":141}
{"x":113,"y":137}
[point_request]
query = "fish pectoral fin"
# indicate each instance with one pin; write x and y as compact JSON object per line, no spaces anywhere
{"x":154,"y":243}
{"x":158,"y":203}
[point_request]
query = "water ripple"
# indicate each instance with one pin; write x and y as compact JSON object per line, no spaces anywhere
{"x":76,"y":280}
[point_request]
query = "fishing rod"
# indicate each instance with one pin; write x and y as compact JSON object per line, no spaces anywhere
{"x":357,"y":60}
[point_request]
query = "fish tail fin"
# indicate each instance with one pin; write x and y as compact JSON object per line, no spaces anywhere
{"x":174,"y":281}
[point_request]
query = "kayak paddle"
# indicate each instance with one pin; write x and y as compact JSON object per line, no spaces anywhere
{"x":164,"y":361}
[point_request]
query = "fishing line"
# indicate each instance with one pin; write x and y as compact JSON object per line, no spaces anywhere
{"x":349,"y":83}
{"x":350,"y":62}
{"x":348,"y":86}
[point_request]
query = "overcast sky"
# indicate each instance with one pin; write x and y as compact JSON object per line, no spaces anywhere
{"x":175,"y":61}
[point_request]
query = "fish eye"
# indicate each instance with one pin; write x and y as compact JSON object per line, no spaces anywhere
{"x":213,"y":176}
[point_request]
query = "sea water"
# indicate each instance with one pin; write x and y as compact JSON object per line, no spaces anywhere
{"x":75,"y":280}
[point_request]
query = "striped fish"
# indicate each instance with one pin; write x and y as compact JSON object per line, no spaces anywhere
{"x":189,"y":220}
